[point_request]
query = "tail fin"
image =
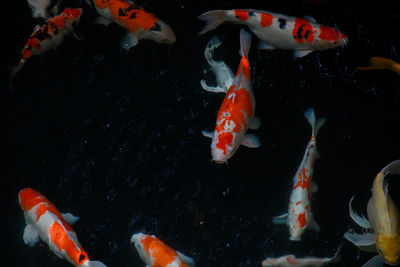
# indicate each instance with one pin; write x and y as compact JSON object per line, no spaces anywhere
{"x":245,"y":42}
{"x":212,"y":44}
{"x":315,"y":124}
{"x":392,"y":168}
{"x":14,"y":71}
{"x":96,"y":264}
{"x":213,"y":19}
{"x":379,"y":63}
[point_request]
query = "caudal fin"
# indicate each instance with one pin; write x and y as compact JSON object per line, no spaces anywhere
{"x":213,"y":19}
{"x":96,"y":264}
{"x":245,"y":42}
{"x":212,"y":44}
{"x":392,"y":168}
{"x":315,"y":124}
{"x":337,"y":257}
{"x":378,"y":63}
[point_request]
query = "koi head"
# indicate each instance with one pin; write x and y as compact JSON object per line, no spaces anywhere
{"x":223,"y":147}
{"x":389,"y":247}
{"x":297,"y":225}
{"x":161,"y":32}
{"x":330,"y":38}
{"x":80,"y":258}
{"x":137,"y":240}
{"x":73,"y":14}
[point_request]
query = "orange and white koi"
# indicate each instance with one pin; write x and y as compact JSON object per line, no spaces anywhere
{"x":299,"y":215}
{"x":44,"y":221}
{"x":291,"y":260}
{"x":383,"y":223}
{"x":279,"y":31}
{"x":223,"y":74}
{"x":236,"y":113}
{"x":381,"y":63}
{"x":49,"y":36}
{"x":155,"y":253}
{"x":139,"y":23}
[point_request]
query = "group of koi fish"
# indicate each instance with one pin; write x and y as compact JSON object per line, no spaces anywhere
{"x":235,"y":116}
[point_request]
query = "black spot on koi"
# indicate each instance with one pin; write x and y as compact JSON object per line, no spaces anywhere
{"x":122,"y":12}
{"x":282,"y":24}
{"x":156,"y":27}
{"x":251,"y":13}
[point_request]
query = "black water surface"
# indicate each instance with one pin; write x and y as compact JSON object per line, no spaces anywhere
{"x":115,"y":137}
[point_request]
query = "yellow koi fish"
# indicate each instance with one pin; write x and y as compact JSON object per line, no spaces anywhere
{"x":381,"y":63}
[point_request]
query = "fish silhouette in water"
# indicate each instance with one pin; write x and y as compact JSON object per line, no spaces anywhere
{"x":236,"y":113}
{"x":291,"y":260}
{"x":299,"y":215}
{"x":155,"y":253}
{"x":383,"y":223}
{"x":139,"y":23}
{"x":381,"y":63}
{"x":48,"y":36}
{"x":44,"y":221}
{"x":279,"y":31}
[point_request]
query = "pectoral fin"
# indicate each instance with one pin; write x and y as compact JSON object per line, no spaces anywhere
{"x":282,"y":219}
{"x":31,"y":235}
{"x":129,"y":40}
{"x":208,"y":134}
{"x":254,"y":123}
{"x":376,"y":261}
{"x":314,"y":187}
{"x":360,"y":240}
{"x":250,"y":140}
{"x":69,"y":218}
{"x":360,"y":220}
{"x":314,"y":226}
{"x":264,"y":46}
{"x":102,"y":21}
{"x":302,"y":53}
{"x":189,"y":261}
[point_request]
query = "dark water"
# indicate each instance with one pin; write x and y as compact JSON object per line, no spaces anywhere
{"x":115,"y":138}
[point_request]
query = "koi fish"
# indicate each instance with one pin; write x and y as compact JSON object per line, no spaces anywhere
{"x":155,"y":253}
{"x":236,"y":113}
{"x":299,"y":216}
{"x":380,"y":63}
{"x":139,"y":23}
{"x":223,"y":73}
{"x":279,"y":31}
{"x":49,"y":36}
{"x":44,"y":221}
{"x":39,"y":8}
{"x":383,"y":223}
{"x":291,"y":260}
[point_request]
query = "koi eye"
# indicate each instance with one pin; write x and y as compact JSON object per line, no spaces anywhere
{"x":156,"y":27}
{"x":81,"y":257}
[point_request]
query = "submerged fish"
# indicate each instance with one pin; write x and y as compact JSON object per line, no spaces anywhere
{"x":236,"y":113}
{"x":39,"y":8}
{"x":380,"y":63}
{"x":383,"y":220}
{"x":299,"y":215}
{"x":139,"y":23}
{"x":291,"y":260}
{"x":48,"y":36}
{"x":279,"y":31}
{"x":223,"y":73}
{"x":155,"y":253}
{"x":44,"y":221}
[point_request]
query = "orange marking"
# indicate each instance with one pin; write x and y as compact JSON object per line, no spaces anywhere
{"x":302,"y":219}
{"x":241,"y":14}
{"x":303,"y":31}
{"x":61,"y":239}
{"x":303,"y":179}
{"x":330,"y":34}
{"x":133,"y":17}
{"x":161,"y":254}
{"x":298,"y":203}
{"x":266,"y":20}
{"x":224,"y":139}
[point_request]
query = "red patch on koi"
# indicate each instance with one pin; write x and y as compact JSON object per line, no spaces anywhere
{"x":224,"y":139}
{"x":303,"y":179}
{"x":161,"y":254}
{"x":241,"y":14}
{"x":329,"y":33}
{"x":302,"y":219}
{"x":303,"y":31}
{"x":266,"y":20}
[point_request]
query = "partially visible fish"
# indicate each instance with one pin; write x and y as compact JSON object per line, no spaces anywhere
{"x":48,"y":36}
{"x":383,"y":223}
{"x":139,"y":23}
{"x":291,"y":260}
{"x":299,"y":216}
{"x":155,"y":253}
{"x":236,"y":113}
{"x":380,"y":63}
{"x":39,"y":8}
{"x":279,"y":31}
{"x":223,"y":74}
{"x":44,"y":221}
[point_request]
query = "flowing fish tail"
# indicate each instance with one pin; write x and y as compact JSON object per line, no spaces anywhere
{"x":212,"y":44}
{"x":315,"y":124}
{"x":245,"y":42}
{"x":379,"y":63}
{"x":14,"y":71}
{"x":391,"y":168}
{"x":337,"y":257}
{"x":213,"y":19}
